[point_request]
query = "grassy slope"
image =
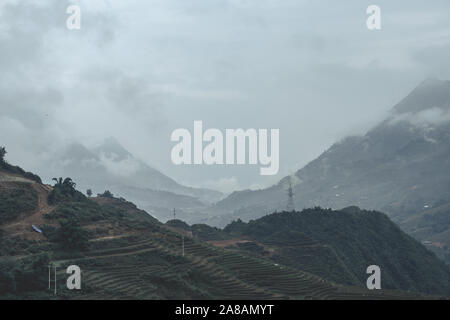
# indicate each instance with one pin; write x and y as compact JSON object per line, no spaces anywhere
{"x":343,"y":243}
{"x":16,"y":198}
{"x":131,"y":255}
{"x":126,"y":253}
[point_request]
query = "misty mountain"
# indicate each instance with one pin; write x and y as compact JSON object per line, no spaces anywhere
{"x":400,"y":167}
{"x":111,"y":167}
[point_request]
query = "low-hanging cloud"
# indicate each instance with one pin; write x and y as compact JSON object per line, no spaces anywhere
{"x":138,"y":70}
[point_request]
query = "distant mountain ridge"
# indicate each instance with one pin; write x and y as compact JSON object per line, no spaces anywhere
{"x":400,"y":167}
{"x":111,"y":167}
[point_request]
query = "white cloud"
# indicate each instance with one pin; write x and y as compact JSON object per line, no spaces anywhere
{"x":431,"y":116}
{"x":138,"y":69}
{"x":126,"y":167}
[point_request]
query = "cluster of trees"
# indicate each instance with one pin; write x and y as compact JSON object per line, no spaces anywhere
{"x":67,"y":185}
{"x":109,"y":194}
{"x":15,"y":200}
{"x":18,"y":277}
{"x":70,"y":236}
{"x":106,"y":194}
{"x":64,"y":189}
{"x":2,"y":154}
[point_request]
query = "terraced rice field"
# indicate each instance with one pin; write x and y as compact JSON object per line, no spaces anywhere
{"x":155,"y":268}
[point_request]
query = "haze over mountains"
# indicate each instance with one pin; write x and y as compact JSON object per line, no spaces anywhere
{"x":110,"y":166}
{"x":400,"y":167}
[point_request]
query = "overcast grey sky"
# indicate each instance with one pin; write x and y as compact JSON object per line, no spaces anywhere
{"x":137,"y":70}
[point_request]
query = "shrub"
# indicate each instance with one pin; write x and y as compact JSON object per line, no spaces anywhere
{"x":13,"y":201}
{"x":25,"y":275}
{"x":106,"y":194}
{"x":64,"y":190}
{"x":2,"y":154}
{"x":71,"y":236}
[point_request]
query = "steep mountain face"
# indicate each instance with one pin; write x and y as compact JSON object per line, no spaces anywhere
{"x":110,"y":166}
{"x":400,"y":167}
{"x":432,"y":226}
{"x":430,"y":93}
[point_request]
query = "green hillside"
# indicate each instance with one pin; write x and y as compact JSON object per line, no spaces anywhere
{"x":124,"y":253}
{"x":339,"y":245}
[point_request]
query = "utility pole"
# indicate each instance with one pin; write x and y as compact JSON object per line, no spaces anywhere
{"x":182,"y":245}
{"x":55,"y":279}
{"x":49,"y":278}
{"x":290,"y":205}
{"x":174,"y":214}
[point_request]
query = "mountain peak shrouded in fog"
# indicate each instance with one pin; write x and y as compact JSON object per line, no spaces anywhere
{"x":78,"y":152}
{"x":431,"y":93}
{"x":399,"y":167}
{"x":109,"y":166}
{"x":112,"y":149}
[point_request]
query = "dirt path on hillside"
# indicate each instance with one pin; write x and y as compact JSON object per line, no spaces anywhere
{"x":22,"y":225}
{"x":13,"y":178}
{"x":227,"y":243}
